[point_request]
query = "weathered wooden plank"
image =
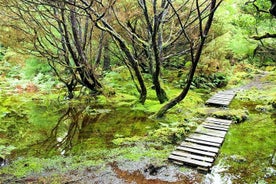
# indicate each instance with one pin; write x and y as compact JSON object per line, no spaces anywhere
{"x":200,"y":152}
{"x":223,"y":96}
{"x":202,"y":142}
{"x":225,"y":93}
{"x":230,"y":92}
{"x":211,"y":132}
{"x":223,"y":100}
{"x":214,"y":127}
{"x":218,"y":103}
{"x":226,"y":98}
{"x":216,"y":124}
{"x":220,"y":100}
{"x":230,"y":95}
{"x":216,"y":120}
{"x":206,"y":138}
{"x":190,"y":161}
{"x":216,"y":133}
{"x":200,"y":147}
{"x":193,"y":156}
{"x":217,"y":100}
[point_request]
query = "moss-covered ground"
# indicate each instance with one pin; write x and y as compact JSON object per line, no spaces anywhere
{"x":44,"y":140}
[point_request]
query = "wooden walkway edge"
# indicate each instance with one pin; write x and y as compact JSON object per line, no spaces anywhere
{"x":201,"y":148}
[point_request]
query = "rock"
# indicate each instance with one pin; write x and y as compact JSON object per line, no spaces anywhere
{"x":153,"y":170}
{"x":273,"y":159}
{"x":3,"y":162}
{"x":263,"y":108}
{"x":270,"y":172}
{"x":238,"y":158}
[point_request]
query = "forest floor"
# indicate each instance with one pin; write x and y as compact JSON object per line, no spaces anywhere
{"x":145,"y":170}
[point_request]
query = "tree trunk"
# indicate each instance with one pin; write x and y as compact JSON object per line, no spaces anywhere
{"x":106,"y":60}
{"x":195,"y":60}
{"x":85,"y":70}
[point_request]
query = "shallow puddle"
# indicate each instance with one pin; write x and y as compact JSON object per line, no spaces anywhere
{"x":34,"y":127}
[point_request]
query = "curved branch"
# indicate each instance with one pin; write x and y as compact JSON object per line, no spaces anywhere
{"x":267,"y":35}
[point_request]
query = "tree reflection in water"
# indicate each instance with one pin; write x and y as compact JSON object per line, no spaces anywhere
{"x":84,"y":128}
{"x":68,"y":129}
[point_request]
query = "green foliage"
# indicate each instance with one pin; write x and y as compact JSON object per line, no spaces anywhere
{"x":121,"y":82}
{"x":242,"y":47}
{"x":216,"y":80}
{"x":5,"y":150}
{"x":35,"y":66}
{"x":242,"y":21}
{"x":171,"y":133}
{"x":124,"y":141}
{"x":236,"y":115}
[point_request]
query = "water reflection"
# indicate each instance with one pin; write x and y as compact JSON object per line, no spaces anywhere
{"x":67,"y":130}
{"x":83,"y":128}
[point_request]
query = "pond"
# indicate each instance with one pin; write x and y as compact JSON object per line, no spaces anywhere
{"x":42,"y":127}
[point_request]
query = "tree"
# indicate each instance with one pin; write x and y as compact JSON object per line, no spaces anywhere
{"x":60,"y":34}
{"x":149,"y":35}
{"x":264,"y":30}
{"x":151,"y":31}
{"x":196,"y":46}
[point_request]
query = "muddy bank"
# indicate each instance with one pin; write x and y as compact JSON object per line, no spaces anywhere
{"x":122,"y":172}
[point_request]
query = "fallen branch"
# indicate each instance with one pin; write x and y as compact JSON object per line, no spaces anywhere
{"x":267,"y":35}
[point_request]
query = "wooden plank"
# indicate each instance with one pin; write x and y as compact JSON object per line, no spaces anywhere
{"x":222,"y":132}
{"x":196,"y":151}
{"x":211,"y":133}
{"x":225,"y":94}
{"x":220,"y":100}
{"x":225,"y":98}
{"x":193,"y":156}
{"x":217,"y":103}
{"x":207,"y":131}
{"x":200,"y":147}
{"x":215,"y":124}
{"x":222,"y":96}
{"x":206,"y":138}
{"x":214,"y":127}
{"x":190,"y":161}
{"x":202,"y":142}
{"x":216,"y":120}
{"x":230,"y":92}
{"x":216,"y":100}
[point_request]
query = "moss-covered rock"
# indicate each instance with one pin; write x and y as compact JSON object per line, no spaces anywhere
{"x":236,"y":115}
{"x":263,"y":108}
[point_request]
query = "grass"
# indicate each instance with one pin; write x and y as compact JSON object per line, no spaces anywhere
{"x":250,"y":146}
{"x":252,"y":140}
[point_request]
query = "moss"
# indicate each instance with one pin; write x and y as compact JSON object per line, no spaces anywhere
{"x":236,"y":115}
{"x":253,"y":140}
{"x":126,"y":140}
{"x":264,"y":108}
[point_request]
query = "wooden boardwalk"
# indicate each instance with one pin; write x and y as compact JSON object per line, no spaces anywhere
{"x":201,"y":148}
{"x":222,"y":98}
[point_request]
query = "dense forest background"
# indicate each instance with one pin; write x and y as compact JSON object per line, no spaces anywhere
{"x":128,"y":80}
